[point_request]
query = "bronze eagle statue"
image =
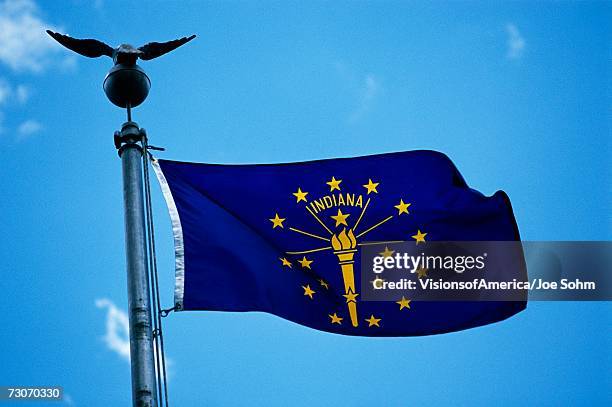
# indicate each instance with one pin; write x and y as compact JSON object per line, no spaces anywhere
{"x":123,"y":54}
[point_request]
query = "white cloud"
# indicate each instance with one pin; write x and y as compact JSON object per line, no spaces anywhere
{"x":370,"y":88}
{"x":8,"y":94}
{"x":24,"y":44}
{"x":11,"y":96}
{"x":516,"y":42}
{"x":25,"y":47}
{"x":28,"y":128}
{"x":117,"y":335}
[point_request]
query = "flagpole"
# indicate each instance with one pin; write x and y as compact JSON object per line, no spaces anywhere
{"x":139,"y":303}
{"x":128,"y":86}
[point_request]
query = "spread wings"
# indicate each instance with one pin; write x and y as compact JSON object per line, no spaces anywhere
{"x":156,"y":49}
{"x":93,"y":48}
{"x":87,"y":47}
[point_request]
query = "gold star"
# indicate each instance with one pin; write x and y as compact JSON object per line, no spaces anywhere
{"x":300,"y":195}
{"x":286,"y":262}
{"x":421,"y":272}
{"x":340,"y":218}
{"x":371,"y":186}
{"x":402,"y":207}
{"x":419,"y":237}
{"x":308,"y":291}
{"x":387,"y":252}
{"x":373,"y":321}
{"x":335,"y":319}
{"x":403,"y":303}
{"x":324,"y":284}
{"x":277,"y":221}
{"x":351,"y":296}
{"x":305,"y":262}
{"x":334,"y":184}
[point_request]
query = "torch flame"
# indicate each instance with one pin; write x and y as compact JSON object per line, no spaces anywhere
{"x":344,"y":241}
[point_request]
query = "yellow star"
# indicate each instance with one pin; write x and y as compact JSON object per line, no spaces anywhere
{"x":371,"y":186}
{"x":324,"y":284}
{"x":387,"y":252}
{"x":305,"y":262}
{"x":277,"y":221}
{"x":403,"y":303}
{"x":300,"y":195}
{"x":308,"y":291}
{"x":351,"y":296}
{"x":402,"y":207}
{"x":286,"y":262}
{"x":334,"y":184}
{"x":340,"y":218}
{"x":335,"y":319}
{"x":419,"y":237}
{"x":373,"y":321}
{"x":421,"y":272}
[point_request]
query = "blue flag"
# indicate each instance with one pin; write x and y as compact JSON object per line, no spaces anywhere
{"x":285,"y":238}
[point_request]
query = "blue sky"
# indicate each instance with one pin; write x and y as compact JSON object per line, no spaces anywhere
{"x":516,"y":93}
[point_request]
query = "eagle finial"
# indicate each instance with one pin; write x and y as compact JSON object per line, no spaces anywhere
{"x":123,"y":54}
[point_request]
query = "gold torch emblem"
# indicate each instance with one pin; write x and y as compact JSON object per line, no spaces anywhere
{"x":345,"y":247}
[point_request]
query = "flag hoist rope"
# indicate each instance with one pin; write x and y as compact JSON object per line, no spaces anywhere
{"x":158,"y":313}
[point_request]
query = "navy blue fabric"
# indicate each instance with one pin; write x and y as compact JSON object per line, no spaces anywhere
{"x":232,"y":251}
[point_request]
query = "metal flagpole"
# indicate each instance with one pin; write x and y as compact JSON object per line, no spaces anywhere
{"x":139,"y":304}
{"x":127,"y":85}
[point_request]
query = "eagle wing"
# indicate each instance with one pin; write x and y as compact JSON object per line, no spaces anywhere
{"x":157,"y":49}
{"x":87,"y":47}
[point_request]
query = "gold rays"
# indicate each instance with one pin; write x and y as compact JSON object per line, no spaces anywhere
{"x":308,"y":234}
{"x":361,"y":214}
{"x":375,"y":226}
{"x":311,"y":250}
{"x":319,"y":220}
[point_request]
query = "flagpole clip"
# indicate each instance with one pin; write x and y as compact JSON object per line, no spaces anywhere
{"x":165,"y":312}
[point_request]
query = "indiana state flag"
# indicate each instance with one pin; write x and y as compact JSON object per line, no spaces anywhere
{"x":285,"y":238}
